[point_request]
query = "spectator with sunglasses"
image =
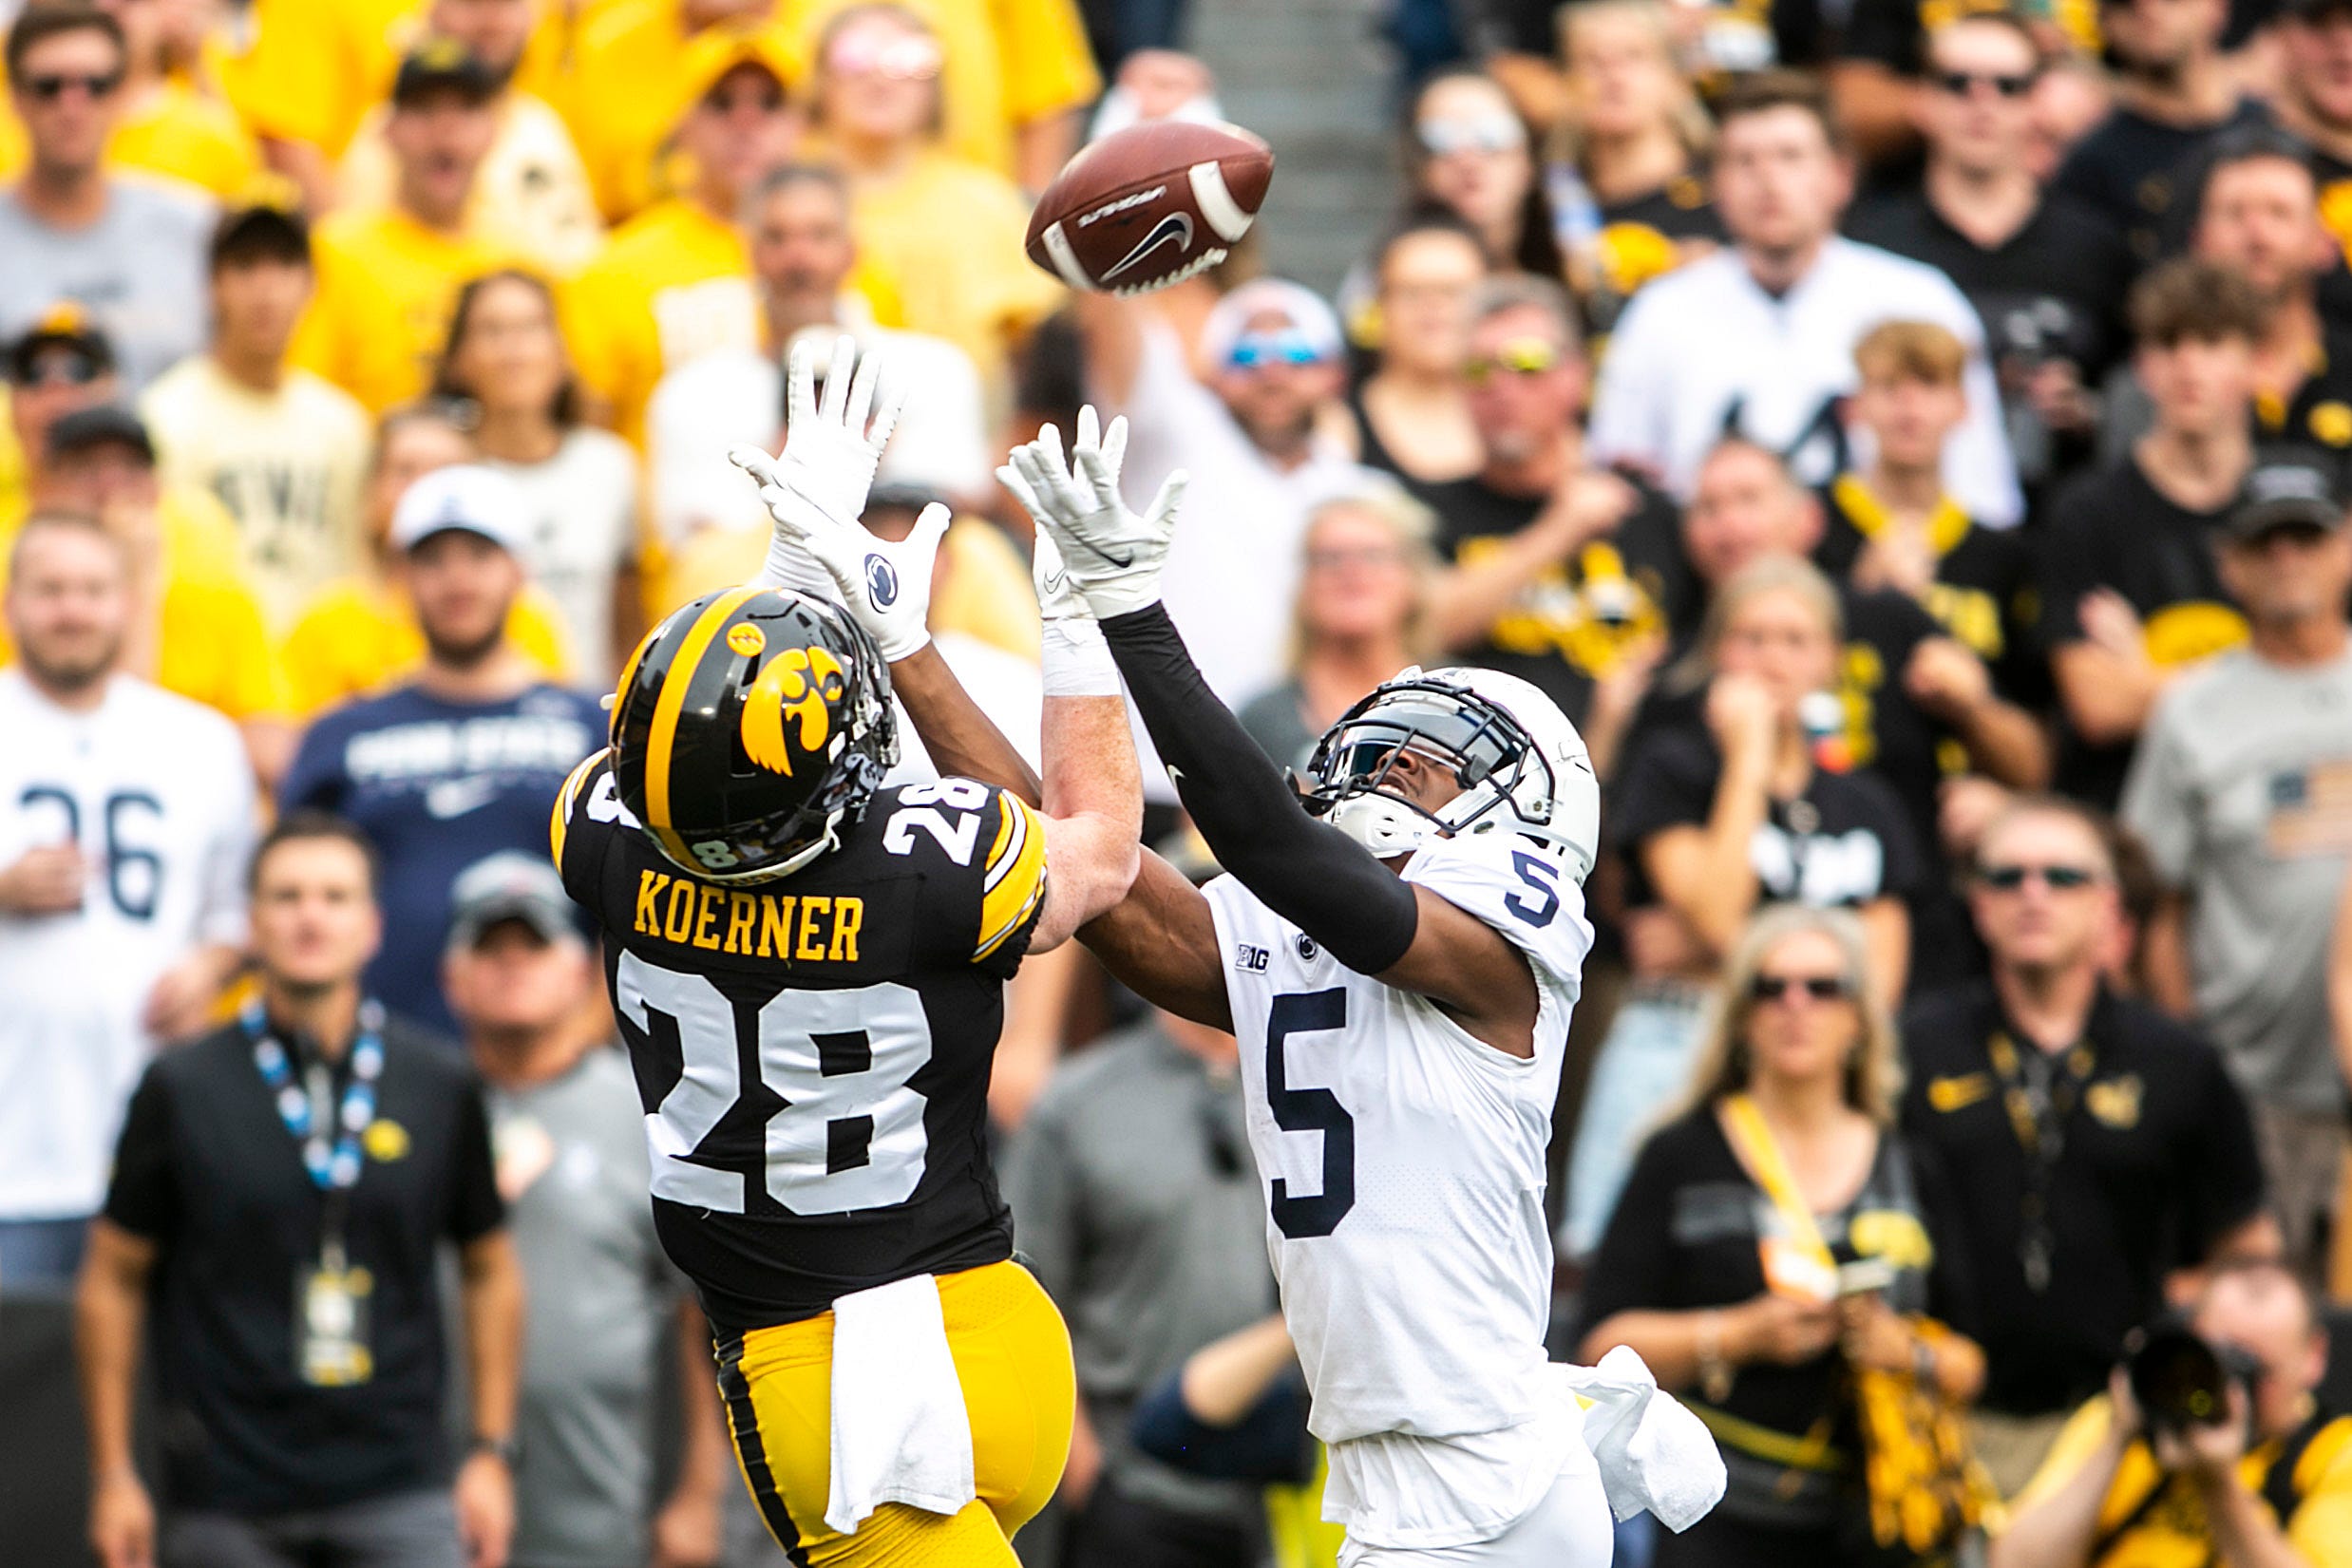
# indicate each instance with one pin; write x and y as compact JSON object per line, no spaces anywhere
{"x":1139,"y":1211}
{"x":1563,"y":565}
{"x":132,"y":251}
{"x":2236,"y":792}
{"x":59,"y":364}
{"x":1467,"y":152}
{"x":2107,"y":1147}
{"x":1779,"y":1230}
{"x":2044,"y":270}
{"x":1251,"y":430}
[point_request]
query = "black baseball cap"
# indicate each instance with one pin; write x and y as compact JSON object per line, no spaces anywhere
{"x":2288,"y":489}
{"x":109,"y":425}
{"x":66,"y":327}
{"x":261,"y":230}
{"x":444,"y":65}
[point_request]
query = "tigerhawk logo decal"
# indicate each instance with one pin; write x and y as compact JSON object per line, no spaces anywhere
{"x":797,"y":685}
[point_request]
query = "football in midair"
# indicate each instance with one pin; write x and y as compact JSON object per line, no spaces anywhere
{"x":1149,"y":205}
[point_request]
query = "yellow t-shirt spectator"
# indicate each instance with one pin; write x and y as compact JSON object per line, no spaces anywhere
{"x":360,"y":635}
{"x":309,"y":69}
{"x":208,"y":643}
{"x":619,"y":100}
{"x":288,"y":466}
{"x":182,"y":133}
{"x":1004,"y":63}
{"x":2171,"y":1532}
{"x":969,"y":279}
{"x":386,"y":285}
{"x":672,"y":283}
{"x":531,"y":194}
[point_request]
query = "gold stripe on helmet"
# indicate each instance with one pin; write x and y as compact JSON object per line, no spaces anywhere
{"x":668,"y":705}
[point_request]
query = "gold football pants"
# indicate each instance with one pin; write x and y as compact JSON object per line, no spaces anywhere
{"x":1011,"y":1355}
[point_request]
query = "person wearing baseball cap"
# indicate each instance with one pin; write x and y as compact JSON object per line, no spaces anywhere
{"x":60,"y":363}
{"x":728,"y":107}
{"x":464,"y":759}
{"x":601,"y":1298}
{"x":2236,"y":790}
{"x":532,"y":194}
{"x":389,"y":274}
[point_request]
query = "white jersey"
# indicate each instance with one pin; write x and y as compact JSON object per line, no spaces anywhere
{"x":1404,"y":1163}
{"x":157,"y":792}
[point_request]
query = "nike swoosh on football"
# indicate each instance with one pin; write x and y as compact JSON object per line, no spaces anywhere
{"x":1175,"y":226}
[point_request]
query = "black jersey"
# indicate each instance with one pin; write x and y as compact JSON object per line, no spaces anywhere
{"x":812,"y":1053}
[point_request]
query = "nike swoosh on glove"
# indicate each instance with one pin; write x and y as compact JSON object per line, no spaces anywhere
{"x":1114,"y":556}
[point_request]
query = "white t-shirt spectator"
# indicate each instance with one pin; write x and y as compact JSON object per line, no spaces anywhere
{"x":1233,"y":571}
{"x":1705,"y":352}
{"x":734,"y":397}
{"x":583,"y":527}
{"x":139,"y":271}
{"x":157,"y":791}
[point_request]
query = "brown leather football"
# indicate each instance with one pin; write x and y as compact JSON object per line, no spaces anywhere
{"x":1149,"y":205}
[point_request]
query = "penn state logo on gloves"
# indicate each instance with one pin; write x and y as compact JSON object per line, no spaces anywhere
{"x":882,"y":583}
{"x":796,"y":686}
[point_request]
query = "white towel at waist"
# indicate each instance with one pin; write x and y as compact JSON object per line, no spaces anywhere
{"x":1652,"y":1453}
{"x":901,"y":1433}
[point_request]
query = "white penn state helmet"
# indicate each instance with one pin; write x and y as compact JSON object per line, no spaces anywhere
{"x":1520,"y":764}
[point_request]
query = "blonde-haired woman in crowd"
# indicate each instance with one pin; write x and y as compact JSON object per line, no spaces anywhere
{"x":1627,"y":173}
{"x":1359,"y":616}
{"x":1775,"y":1235}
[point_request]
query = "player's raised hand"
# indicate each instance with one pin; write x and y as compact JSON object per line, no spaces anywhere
{"x":831,"y":448}
{"x":1114,"y":556}
{"x":884,"y":584}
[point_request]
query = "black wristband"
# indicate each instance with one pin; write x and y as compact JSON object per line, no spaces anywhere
{"x":1310,"y":874}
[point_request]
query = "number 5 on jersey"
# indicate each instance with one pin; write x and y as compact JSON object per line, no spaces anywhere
{"x":1304,"y":1217}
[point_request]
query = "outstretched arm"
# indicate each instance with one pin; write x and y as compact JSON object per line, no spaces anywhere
{"x":1306,"y":872}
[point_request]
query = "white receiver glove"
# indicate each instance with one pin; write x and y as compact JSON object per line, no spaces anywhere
{"x":830,"y":452}
{"x":884,"y":585}
{"x":1112,"y":556}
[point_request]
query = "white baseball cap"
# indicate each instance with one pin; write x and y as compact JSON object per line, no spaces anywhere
{"x":464,"y":495}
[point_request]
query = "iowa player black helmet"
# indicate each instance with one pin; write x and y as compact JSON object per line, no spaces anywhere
{"x":749,"y":727}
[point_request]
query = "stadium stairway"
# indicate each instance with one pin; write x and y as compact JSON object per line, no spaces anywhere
{"x":1311,"y":78}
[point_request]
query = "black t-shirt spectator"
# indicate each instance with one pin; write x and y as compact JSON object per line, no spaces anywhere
{"x":1572,"y":621}
{"x":208,"y":1171}
{"x":2157,"y":1162}
{"x":1643,"y":237}
{"x":2335,"y":181}
{"x":2137,"y":173}
{"x":2051,"y":291}
{"x":2320,"y":412}
{"x":1843,"y":841}
{"x":1984,"y":593}
{"x":2113,"y":529}
{"x":1686,"y":1234}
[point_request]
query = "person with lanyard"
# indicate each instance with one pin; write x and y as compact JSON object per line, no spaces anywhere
{"x":2107,"y":1147}
{"x":1778,"y":1238}
{"x":297,"y":1314}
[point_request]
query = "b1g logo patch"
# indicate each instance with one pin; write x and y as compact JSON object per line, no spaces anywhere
{"x":1251,"y":959}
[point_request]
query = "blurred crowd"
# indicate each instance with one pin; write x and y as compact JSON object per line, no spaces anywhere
{"x":1908,"y":437}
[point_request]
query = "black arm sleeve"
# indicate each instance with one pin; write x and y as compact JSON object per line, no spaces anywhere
{"x":1310,"y":874}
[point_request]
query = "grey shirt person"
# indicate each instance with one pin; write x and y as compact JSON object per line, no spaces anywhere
{"x":1135,"y":1201}
{"x":2241,"y":790}
{"x":139,"y":271}
{"x":603,"y":1304}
